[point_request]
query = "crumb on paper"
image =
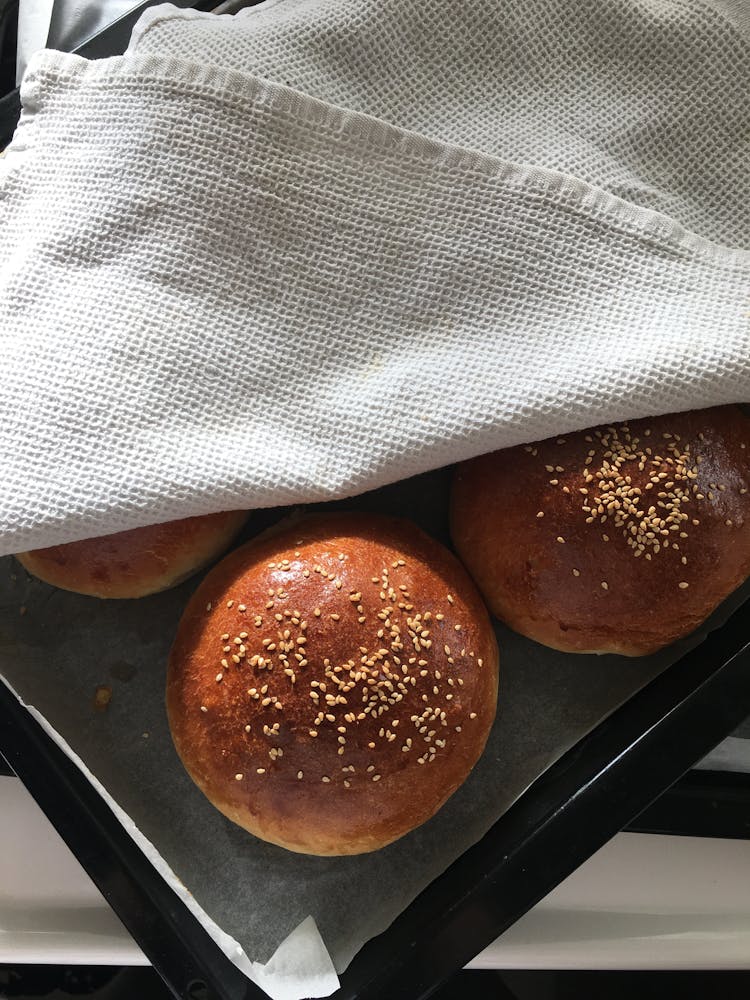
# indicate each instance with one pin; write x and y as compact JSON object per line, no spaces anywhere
{"x":145,"y":735}
{"x":102,"y":697}
{"x":22,"y":610}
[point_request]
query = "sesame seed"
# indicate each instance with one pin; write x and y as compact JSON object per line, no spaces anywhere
{"x":260,"y":770}
{"x":203,"y":708}
{"x":560,"y":539}
{"x":683,"y":585}
{"x":239,"y":777}
{"x":300,"y":775}
{"x":230,"y":604}
{"x":540,"y":513}
{"x":576,"y":572}
{"x":604,"y":585}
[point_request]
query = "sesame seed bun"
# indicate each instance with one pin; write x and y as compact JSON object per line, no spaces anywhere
{"x":611,"y":540}
{"x":137,"y":562}
{"x":333,"y":683}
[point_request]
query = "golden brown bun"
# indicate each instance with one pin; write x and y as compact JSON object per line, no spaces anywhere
{"x":365,"y":711}
{"x":138,"y":562}
{"x":568,"y":554}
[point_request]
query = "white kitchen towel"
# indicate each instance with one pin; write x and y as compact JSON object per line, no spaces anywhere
{"x":218,"y":291}
{"x":648,"y":99}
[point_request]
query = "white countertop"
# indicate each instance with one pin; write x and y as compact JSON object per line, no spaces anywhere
{"x":642,"y":902}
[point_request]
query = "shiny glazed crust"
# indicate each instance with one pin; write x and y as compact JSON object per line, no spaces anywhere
{"x":567,"y":552}
{"x":332,"y":684}
{"x":137,"y":562}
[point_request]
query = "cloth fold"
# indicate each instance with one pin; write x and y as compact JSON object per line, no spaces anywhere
{"x":219,"y":291}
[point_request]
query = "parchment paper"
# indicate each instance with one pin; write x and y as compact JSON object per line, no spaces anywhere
{"x":62,"y":647}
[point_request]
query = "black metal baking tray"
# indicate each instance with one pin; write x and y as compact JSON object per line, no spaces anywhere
{"x":591,"y":793}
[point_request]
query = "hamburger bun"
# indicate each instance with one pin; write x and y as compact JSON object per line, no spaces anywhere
{"x":137,"y":562}
{"x":333,"y":682}
{"x":617,"y":539}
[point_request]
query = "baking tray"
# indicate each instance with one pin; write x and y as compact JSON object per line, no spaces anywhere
{"x":592,"y":792}
{"x":597,"y":788}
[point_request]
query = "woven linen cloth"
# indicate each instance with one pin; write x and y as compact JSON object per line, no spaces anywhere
{"x":320,"y":246}
{"x":645,"y":98}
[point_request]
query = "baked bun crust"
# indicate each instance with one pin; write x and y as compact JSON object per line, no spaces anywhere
{"x":333,"y":682}
{"x":137,"y":562}
{"x":611,"y":540}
